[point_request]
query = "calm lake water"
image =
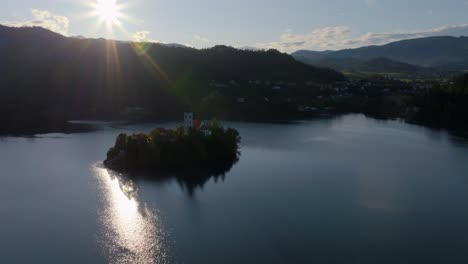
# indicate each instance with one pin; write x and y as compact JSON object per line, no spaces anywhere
{"x":341,"y":190}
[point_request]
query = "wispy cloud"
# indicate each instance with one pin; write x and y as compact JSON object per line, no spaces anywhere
{"x":320,"y":38}
{"x":339,"y":37}
{"x":141,"y":36}
{"x":201,"y":39}
{"x":45,"y":19}
{"x":382,"y":38}
{"x":144,"y":36}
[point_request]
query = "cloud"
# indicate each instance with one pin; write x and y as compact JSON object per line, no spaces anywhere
{"x":201,"y":39}
{"x":199,"y":42}
{"x":321,"y":38}
{"x":45,"y":19}
{"x":340,"y":37}
{"x":141,"y":36}
{"x":382,"y":38}
{"x":144,"y":36}
{"x":251,"y":48}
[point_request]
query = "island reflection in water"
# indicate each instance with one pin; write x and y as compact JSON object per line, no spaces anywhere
{"x":189,"y":178}
{"x":132,"y":232}
{"x":193,"y":178}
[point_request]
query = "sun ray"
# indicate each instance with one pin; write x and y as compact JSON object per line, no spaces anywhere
{"x":141,"y":49}
{"x":109,"y":12}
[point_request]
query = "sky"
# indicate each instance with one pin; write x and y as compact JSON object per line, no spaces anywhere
{"x":284,"y":25}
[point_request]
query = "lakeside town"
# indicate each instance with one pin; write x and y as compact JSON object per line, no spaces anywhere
{"x":378,"y":96}
{"x":313,"y":97}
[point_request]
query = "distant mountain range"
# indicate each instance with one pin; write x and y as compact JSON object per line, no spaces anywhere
{"x":406,"y":56}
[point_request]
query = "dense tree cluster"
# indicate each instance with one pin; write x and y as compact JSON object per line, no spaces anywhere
{"x":446,"y":105}
{"x":169,"y":149}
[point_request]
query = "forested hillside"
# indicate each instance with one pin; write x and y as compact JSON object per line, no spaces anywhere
{"x":46,"y":76}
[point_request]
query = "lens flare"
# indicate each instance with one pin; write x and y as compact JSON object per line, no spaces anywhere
{"x":108,"y":11}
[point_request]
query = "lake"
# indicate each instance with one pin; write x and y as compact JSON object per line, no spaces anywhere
{"x":342,"y":190}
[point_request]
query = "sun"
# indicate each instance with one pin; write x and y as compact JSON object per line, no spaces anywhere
{"x":108,"y":11}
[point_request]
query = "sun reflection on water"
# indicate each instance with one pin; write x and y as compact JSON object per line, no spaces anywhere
{"x":132,"y":232}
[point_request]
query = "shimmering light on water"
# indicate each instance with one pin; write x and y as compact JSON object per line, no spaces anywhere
{"x":132,"y":232}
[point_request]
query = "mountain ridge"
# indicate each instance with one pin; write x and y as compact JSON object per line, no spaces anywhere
{"x":441,"y":52}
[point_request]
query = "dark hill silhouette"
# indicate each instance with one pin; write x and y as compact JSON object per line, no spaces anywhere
{"x":48,"y":76}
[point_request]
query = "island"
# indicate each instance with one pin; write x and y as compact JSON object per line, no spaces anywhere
{"x":208,"y":147}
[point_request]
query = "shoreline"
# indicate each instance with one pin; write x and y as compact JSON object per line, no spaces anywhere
{"x":88,"y":126}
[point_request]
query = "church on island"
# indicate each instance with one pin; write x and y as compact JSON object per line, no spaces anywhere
{"x":191,"y":123}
